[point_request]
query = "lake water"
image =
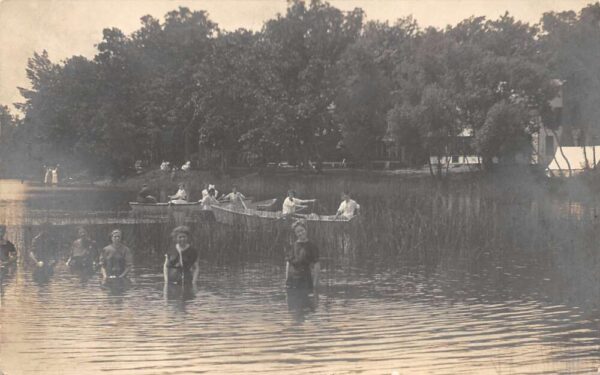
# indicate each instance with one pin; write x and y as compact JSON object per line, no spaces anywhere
{"x":488,"y":297}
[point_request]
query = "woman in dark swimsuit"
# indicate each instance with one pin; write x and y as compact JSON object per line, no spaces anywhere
{"x":302,"y":268}
{"x":84,"y":253}
{"x":181,"y":261}
{"x":8,"y":254}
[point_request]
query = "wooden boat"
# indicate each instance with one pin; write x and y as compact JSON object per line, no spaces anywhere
{"x":188,"y":209}
{"x":250,"y":218}
{"x":267,"y":205}
{"x":254,"y":219}
{"x":166,"y":209}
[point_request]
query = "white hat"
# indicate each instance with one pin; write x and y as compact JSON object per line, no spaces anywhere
{"x":211,"y":186}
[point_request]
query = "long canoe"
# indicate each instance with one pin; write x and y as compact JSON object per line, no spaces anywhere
{"x":166,"y":209}
{"x":254,"y":219}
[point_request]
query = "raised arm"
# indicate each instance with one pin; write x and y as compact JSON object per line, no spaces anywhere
{"x":166,"y":269}
{"x":340,"y":209}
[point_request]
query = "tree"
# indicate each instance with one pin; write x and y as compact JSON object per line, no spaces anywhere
{"x":8,"y":131}
{"x":305,"y":46}
{"x":571,"y":45}
{"x":504,"y":132}
{"x":366,"y":82}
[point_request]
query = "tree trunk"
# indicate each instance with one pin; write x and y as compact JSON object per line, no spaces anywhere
{"x":430,"y":166}
{"x":439,"y":167}
{"x":487,"y":163}
{"x":561,"y":151}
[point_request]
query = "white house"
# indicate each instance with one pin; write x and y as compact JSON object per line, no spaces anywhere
{"x":573,"y":160}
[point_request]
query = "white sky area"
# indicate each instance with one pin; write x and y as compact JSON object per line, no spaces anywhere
{"x":72,"y":27}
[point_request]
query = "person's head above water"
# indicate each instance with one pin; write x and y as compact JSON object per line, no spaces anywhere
{"x":116,"y":235}
{"x":291,"y":193}
{"x":299,"y":228}
{"x":81,"y":232}
{"x":181,"y":235}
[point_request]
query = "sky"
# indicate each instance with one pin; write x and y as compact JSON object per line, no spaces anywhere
{"x":73,"y":27}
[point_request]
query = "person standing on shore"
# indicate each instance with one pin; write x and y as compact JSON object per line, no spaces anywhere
{"x":47,"y":175}
{"x":54,"y":172}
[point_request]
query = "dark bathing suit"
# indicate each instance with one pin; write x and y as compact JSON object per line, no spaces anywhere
{"x":177,"y":273}
{"x":300,"y":258}
{"x":83,"y":253}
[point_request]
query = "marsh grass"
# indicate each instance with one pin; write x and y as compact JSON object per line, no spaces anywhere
{"x":461,"y":221}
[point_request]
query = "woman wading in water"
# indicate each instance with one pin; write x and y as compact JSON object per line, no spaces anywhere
{"x":302,"y":268}
{"x":116,"y":259}
{"x":181,"y":261}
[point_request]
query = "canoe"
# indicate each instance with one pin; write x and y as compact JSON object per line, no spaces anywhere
{"x":325,"y":223}
{"x":250,"y":218}
{"x":267,"y":205}
{"x":166,"y":209}
{"x":254,"y":219}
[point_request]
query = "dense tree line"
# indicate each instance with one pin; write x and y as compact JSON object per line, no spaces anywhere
{"x":314,"y":84}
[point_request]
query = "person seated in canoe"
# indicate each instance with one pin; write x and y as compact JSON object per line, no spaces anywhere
{"x":145,"y":195}
{"x":207,"y":187}
{"x":116,"y":259}
{"x":43,"y":253}
{"x":302,"y":261}
{"x":291,"y":203}
{"x":181,"y":265}
{"x":181,"y":196}
{"x":348,"y":208}
{"x":84,"y":252}
{"x":8,"y":251}
{"x":204,"y":191}
{"x":209,"y":200}
{"x":235,"y":197}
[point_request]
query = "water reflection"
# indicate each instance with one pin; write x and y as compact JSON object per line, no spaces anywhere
{"x":511,"y":305}
{"x":301,"y":302}
{"x":116,"y":286}
{"x":179,"y":293}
